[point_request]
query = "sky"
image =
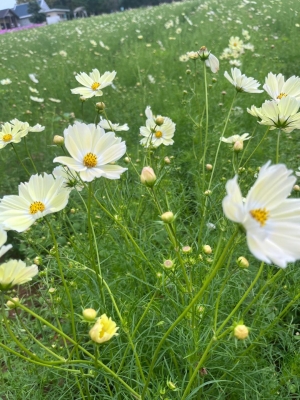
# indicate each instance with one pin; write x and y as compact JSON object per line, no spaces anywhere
{"x":6,"y":4}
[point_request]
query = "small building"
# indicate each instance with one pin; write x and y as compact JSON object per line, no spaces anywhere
{"x":54,"y":15}
{"x":8,"y":19}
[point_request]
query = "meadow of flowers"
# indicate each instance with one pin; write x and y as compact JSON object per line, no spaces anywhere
{"x":149,"y":205}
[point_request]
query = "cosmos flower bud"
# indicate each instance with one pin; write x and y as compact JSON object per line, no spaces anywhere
{"x":100,"y":106}
{"x":58,"y":140}
{"x":186,"y":249}
{"x":171,"y":385}
{"x":127,"y":160}
{"x":13,"y":304}
{"x":38,"y":260}
{"x":243,"y":262}
{"x":238,"y":146}
{"x":148,"y":176}
{"x":82,"y":99}
{"x":207,"y":249}
{"x":159,"y":120}
{"x":168,"y":264}
{"x":167,"y":160}
{"x":89,"y":314}
{"x":167,"y":217}
{"x":241,"y":332}
{"x":209,"y":167}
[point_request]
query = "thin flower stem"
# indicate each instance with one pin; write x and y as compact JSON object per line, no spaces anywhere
{"x":29,"y":155}
{"x":20,"y":161}
{"x":215,"y":337}
{"x":78,"y":346}
{"x":196,"y":298}
{"x":277,"y":147}
{"x":206,"y":125}
{"x":126,"y":331}
{"x":260,"y":142}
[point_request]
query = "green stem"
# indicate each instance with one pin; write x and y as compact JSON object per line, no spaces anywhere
{"x":277,"y":147}
{"x":196,"y":298}
{"x":29,"y":155}
{"x":215,"y":336}
{"x":260,"y":142}
{"x":20,"y":161}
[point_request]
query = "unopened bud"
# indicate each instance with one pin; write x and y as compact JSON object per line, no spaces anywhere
{"x":167,"y":217}
{"x":58,"y":140}
{"x":159,"y":120}
{"x":238,"y":146}
{"x":207,"y":192}
{"x":168,"y":264}
{"x":127,"y":160}
{"x":241,"y":332}
{"x":186,"y":249}
{"x":167,"y":160}
{"x":148,"y":176}
{"x":13,"y":304}
{"x":100,"y":106}
{"x":171,"y":385}
{"x":296,"y":188}
{"x":243,"y":262}
{"x":83,"y":99}
{"x":51,"y":290}
{"x":38,"y":260}
{"x":209,"y":167}
{"x":89,"y":314}
{"x":207,"y":249}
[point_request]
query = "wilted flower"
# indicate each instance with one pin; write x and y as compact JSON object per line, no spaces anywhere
{"x":103,"y":330}
{"x":237,"y":141}
{"x":158,"y":130}
{"x":241,"y":82}
{"x":108,"y":125}
{"x":15,"y":272}
{"x":278,"y":88}
{"x":93,"y":83}
{"x":271,"y":220}
{"x":283,"y":115}
{"x":41,"y":196}
{"x":92,"y":150}
{"x":211,"y":61}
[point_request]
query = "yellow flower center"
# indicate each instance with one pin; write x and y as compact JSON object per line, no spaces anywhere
{"x":158,"y":134}
{"x":281,"y":95}
{"x":261,"y":215}
{"x":36,"y":206}
{"x":90,"y":160}
{"x":234,"y":44}
{"x":7,"y":137}
{"x":95,"y":85}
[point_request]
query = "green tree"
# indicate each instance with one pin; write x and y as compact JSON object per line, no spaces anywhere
{"x":36,"y":17}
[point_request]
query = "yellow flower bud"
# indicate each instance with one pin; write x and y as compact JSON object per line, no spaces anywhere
{"x":167,"y":217}
{"x":13,"y":304}
{"x":89,"y":314}
{"x":159,"y":120}
{"x":207,"y":249}
{"x":58,"y":140}
{"x":243,"y":262}
{"x":241,"y":332}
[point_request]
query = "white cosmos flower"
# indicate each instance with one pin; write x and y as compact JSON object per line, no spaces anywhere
{"x":235,"y":43}
{"x":3,"y":238}
{"x":24,"y":126}
{"x":5,"y":81}
{"x":15,"y":272}
{"x":10,"y":134}
{"x":158,"y":130}
{"x":33,"y":90}
{"x":271,"y":220}
{"x":33,"y":78}
{"x":41,"y":196}
{"x":277,"y":87}
{"x":93,"y":83}
{"x":235,"y":138}
{"x":37,"y":99}
{"x":92,"y":151}
{"x":283,"y":115}
{"x":241,"y":82}
{"x":70,"y":177}
{"x":108,"y":125}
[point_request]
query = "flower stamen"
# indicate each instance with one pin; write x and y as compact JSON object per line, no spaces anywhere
{"x":95,"y":85}
{"x":261,"y":215}
{"x":90,"y":160}
{"x":36,"y":206}
{"x":281,"y":95}
{"x":158,"y":134}
{"x":7,"y":137}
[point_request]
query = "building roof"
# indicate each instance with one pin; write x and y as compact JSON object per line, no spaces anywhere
{"x":5,"y":13}
{"x":54,"y":10}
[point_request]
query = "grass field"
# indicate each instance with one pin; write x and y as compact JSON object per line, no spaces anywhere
{"x":107,"y":248}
